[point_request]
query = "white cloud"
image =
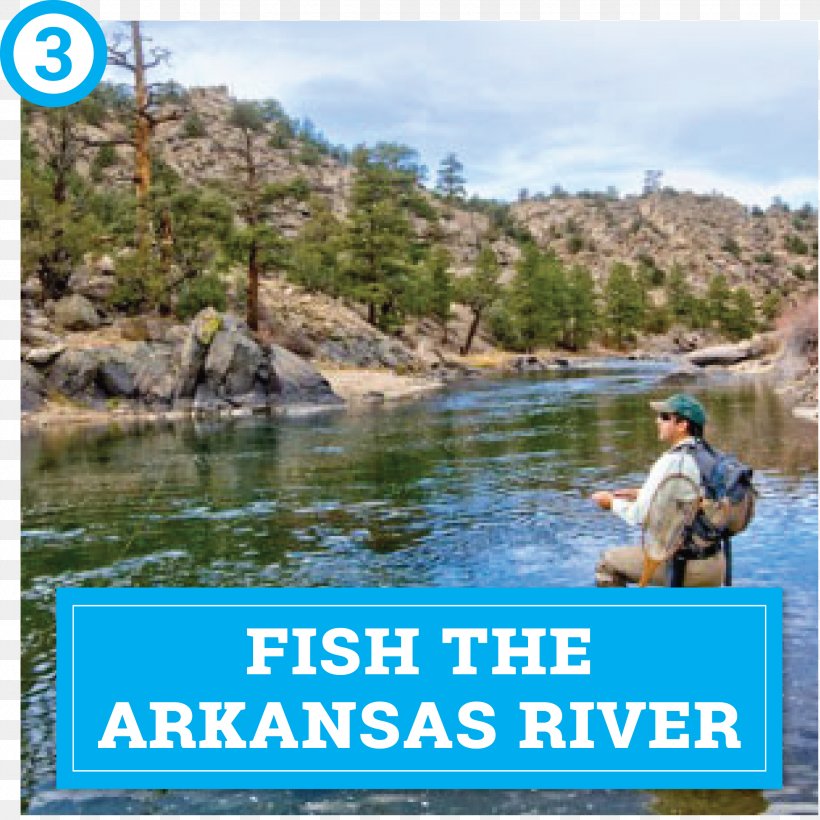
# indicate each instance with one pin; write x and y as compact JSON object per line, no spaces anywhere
{"x":532,"y":104}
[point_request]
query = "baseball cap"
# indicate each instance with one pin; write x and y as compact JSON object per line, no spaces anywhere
{"x":687,"y":407}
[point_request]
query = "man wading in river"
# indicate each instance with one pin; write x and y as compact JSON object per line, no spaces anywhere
{"x":680,"y":421}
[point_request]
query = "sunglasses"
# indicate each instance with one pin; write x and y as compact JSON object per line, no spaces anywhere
{"x":666,"y":416}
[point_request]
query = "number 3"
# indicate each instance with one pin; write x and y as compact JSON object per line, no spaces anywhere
{"x":58,"y":53}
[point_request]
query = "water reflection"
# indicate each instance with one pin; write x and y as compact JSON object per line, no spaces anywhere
{"x":486,"y":486}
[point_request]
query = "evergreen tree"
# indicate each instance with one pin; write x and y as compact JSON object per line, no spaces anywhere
{"x":524,"y":298}
{"x":440,"y":287}
{"x":258,"y":243}
{"x":678,"y":296}
{"x":56,"y":229}
{"x":55,"y":235}
{"x":450,"y":182}
{"x":379,"y":241}
{"x":478,"y":290}
{"x":399,"y":158}
{"x":770,"y":307}
{"x":314,"y":258}
{"x":538,"y":299}
{"x":622,"y":298}
{"x":718,"y":296}
{"x":740,"y":321}
{"x":203,"y":230}
{"x":582,"y":316}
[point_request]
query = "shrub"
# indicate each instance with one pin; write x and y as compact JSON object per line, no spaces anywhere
{"x":193,"y":127}
{"x":309,"y":154}
{"x":730,"y":246}
{"x":770,"y":306}
{"x":502,"y":326}
{"x":129,"y":294}
{"x":794,"y":244}
{"x":575,"y":243}
{"x":105,"y":158}
{"x":200,"y":292}
{"x":656,"y":320}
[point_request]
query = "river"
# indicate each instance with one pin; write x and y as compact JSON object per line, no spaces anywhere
{"x":482,"y":485}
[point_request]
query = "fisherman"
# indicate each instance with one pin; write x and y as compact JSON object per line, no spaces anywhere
{"x":680,"y":420}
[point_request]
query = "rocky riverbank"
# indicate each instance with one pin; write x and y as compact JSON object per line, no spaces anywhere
{"x":213,"y":366}
{"x":152,"y":369}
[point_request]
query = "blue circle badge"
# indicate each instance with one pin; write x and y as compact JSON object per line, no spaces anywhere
{"x":53,"y":53}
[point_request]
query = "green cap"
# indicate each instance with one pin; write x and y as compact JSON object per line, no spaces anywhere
{"x":687,"y":407}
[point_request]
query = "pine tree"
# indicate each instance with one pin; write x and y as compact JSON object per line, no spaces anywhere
{"x":55,"y":235}
{"x":740,"y":321}
{"x":718,"y":296}
{"x":478,"y":290}
{"x":678,"y":296}
{"x":538,"y":299}
{"x":450,"y":182}
{"x":441,"y":287}
{"x":524,"y":298}
{"x":622,"y":303}
{"x":260,"y":244}
{"x":314,"y":257}
{"x":771,"y":306}
{"x":583,"y":312}
{"x":379,"y":241}
{"x":56,"y":229}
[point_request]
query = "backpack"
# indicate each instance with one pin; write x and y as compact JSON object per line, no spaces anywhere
{"x":728,"y":503}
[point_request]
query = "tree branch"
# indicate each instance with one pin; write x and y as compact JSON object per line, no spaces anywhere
{"x":92,"y":142}
{"x":120,"y":59}
{"x":157,"y":119}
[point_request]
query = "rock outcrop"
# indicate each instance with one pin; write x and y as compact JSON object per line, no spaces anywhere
{"x":75,"y":312}
{"x":724,"y":355}
{"x":218,"y":367}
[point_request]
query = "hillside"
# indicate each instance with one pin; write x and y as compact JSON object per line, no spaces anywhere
{"x":227,"y":173}
{"x":765,"y":251}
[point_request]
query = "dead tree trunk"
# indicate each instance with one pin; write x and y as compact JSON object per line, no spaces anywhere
{"x":142,"y":143}
{"x":252,"y":310}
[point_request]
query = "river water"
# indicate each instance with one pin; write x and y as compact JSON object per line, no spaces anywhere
{"x":482,"y":485}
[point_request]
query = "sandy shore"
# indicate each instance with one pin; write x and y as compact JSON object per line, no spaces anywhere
{"x":362,"y":386}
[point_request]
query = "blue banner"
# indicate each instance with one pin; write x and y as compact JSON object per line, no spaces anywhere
{"x":419,"y":688}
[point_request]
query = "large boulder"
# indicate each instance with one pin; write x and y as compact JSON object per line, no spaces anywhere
{"x":75,"y":312}
{"x":41,"y":356}
{"x":732,"y":353}
{"x":74,"y":373}
{"x":232,"y":363}
{"x":38,"y":337}
{"x":97,"y":287}
{"x":193,"y":351}
{"x":117,"y":371}
{"x":156,"y":377}
{"x":32,"y":388}
{"x":294,"y":381}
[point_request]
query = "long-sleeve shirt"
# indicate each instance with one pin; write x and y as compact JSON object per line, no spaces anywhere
{"x":674,"y":461}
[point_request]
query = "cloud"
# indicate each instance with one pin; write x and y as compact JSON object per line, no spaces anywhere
{"x":533,"y":104}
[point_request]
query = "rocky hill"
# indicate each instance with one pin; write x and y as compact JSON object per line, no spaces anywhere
{"x":764,"y":251}
{"x":772,"y":251}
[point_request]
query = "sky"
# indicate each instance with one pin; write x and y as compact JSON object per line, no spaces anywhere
{"x":728,"y":107}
